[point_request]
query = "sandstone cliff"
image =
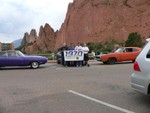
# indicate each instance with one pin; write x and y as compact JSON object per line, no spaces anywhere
{"x":103,"y":20}
{"x":44,"y":42}
{"x":29,"y":38}
{"x":96,"y":21}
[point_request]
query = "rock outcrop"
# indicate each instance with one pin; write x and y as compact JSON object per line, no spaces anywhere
{"x":44,"y":42}
{"x":29,"y":38}
{"x":104,"y":20}
{"x":96,"y":21}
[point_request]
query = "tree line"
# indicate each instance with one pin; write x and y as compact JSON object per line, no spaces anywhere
{"x":134,"y":39}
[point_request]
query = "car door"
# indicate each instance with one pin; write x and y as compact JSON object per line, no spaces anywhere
{"x":134,"y":53}
{"x":13,"y":59}
{"x":127,"y":54}
{"x":3,"y":58}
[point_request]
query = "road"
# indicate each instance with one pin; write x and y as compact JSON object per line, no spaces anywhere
{"x":56,"y":89}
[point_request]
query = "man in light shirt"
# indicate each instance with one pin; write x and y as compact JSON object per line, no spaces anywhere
{"x":86,"y":57}
{"x":78,"y":47}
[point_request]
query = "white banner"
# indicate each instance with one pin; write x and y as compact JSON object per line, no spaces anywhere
{"x":73,"y":55}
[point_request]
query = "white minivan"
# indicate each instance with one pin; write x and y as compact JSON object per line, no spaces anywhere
{"x":140,"y":78}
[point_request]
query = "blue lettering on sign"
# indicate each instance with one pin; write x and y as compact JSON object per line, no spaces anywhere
{"x":80,"y":53}
{"x":73,"y":53}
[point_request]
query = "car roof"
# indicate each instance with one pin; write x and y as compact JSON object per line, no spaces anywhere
{"x":9,"y":50}
{"x":133,"y":47}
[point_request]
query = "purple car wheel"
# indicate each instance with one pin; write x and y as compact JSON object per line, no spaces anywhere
{"x":34,"y":65}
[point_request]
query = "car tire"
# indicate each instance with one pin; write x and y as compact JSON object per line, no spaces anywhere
{"x":105,"y":62}
{"x":111,"y":60}
{"x":34,"y":65}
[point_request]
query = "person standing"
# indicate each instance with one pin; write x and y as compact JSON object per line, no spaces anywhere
{"x":86,"y":57}
{"x":78,"y":47}
{"x":114,"y":49}
{"x":63,"y":48}
{"x":71,"y":47}
{"x":93,"y":54}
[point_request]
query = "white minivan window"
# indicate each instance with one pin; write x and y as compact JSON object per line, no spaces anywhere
{"x":148,"y":54}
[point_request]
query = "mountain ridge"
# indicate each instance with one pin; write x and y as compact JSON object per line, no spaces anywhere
{"x":17,"y":42}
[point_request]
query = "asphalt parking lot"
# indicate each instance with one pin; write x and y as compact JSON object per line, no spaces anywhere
{"x":56,"y":89}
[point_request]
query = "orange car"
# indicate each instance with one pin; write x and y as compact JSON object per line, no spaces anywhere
{"x":121,"y":54}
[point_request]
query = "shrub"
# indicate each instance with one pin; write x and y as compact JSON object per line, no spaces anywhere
{"x":134,"y":39}
{"x":103,"y":47}
{"x":95,"y":46}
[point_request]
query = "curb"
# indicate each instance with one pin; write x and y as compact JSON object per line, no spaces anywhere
{"x":55,"y":61}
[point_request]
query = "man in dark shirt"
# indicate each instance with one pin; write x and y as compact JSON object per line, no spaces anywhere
{"x":62,"y":53}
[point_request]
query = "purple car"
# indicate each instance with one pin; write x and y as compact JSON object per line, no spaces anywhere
{"x":17,"y":58}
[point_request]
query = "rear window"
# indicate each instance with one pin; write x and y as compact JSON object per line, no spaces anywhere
{"x":11,"y":53}
{"x":134,"y":50}
{"x":3,"y":54}
{"x":129,"y":50}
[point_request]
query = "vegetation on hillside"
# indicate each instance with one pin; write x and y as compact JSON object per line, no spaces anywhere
{"x":134,"y":39}
{"x":105,"y":47}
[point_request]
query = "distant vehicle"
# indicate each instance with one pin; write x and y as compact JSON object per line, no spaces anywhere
{"x":17,"y":58}
{"x":59,"y":57}
{"x":121,"y":54}
{"x":140,"y":78}
{"x":97,"y":57}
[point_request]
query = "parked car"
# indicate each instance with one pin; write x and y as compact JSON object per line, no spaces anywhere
{"x":17,"y":58}
{"x":121,"y":54}
{"x":98,"y":55}
{"x":59,"y":57}
{"x":140,"y":78}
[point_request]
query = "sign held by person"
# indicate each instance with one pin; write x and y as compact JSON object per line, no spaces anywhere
{"x":73,"y":55}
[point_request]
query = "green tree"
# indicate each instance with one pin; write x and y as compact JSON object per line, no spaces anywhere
{"x":134,"y":39}
{"x":95,"y":46}
{"x":109,"y":46}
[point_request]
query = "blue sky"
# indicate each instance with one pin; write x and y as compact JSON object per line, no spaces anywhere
{"x":20,"y":16}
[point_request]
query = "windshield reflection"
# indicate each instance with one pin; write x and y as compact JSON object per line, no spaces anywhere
{"x":119,"y":50}
{"x":19,"y":53}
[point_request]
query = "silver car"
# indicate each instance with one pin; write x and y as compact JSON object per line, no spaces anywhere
{"x":140,"y":78}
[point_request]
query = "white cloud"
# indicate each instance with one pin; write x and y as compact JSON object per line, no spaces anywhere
{"x":20,"y":16}
{"x":7,"y":38}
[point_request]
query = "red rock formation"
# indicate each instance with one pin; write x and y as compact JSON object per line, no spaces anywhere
{"x":104,"y":20}
{"x":45,"y":41}
{"x":96,"y":21}
{"x":24,"y":40}
{"x":33,"y":36}
{"x":27,"y":39}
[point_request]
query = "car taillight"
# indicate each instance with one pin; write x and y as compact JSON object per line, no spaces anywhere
{"x":136,"y":67}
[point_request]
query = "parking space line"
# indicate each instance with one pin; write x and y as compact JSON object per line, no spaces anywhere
{"x":100,"y":102}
